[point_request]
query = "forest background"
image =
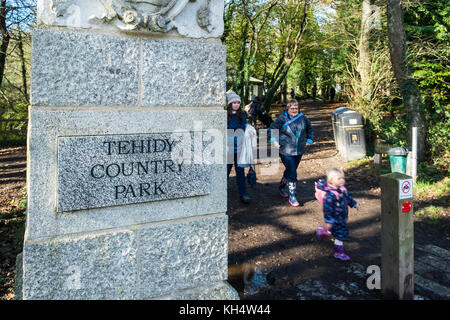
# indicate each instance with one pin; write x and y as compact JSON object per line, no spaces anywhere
{"x":297,"y":44}
{"x":345,"y":44}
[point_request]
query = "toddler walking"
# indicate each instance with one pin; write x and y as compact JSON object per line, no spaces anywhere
{"x":336,"y":200}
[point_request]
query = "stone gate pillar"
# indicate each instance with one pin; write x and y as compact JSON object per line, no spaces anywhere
{"x":126,"y":165}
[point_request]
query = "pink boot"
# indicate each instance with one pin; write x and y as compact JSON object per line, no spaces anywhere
{"x":322,"y":232}
{"x":339,"y":253}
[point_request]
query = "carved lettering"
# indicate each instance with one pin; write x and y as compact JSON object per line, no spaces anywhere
{"x":138,"y":168}
{"x":94,"y":169}
{"x":119,"y":190}
{"x":138,"y":190}
{"x":116,"y":170}
{"x":123,"y":147}
{"x":158,"y":187}
{"x":138,"y":146}
{"x":109,"y":146}
{"x":162,"y":147}
{"x":108,"y":171}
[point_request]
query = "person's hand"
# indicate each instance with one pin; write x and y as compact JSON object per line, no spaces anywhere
{"x":247,"y":107}
{"x":308,"y":144}
{"x":277,"y":145}
{"x":357,"y":207}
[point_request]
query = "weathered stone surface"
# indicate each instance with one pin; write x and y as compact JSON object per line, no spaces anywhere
{"x":95,"y":266}
{"x":189,"y":18}
{"x":139,"y":262}
{"x":183,"y":255}
{"x":47,"y":125}
{"x":102,"y":171}
{"x":18,"y":278}
{"x":79,"y":69}
{"x":218,"y":291}
{"x":183,"y":73}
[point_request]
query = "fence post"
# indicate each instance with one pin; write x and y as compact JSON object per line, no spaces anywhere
{"x":397,"y":237}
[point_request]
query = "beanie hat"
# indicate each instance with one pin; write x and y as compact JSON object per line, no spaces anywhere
{"x":232,"y":97}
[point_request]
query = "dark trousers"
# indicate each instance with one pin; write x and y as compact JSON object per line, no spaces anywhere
{"x":240,"y":176}
{"x":291,"y":164}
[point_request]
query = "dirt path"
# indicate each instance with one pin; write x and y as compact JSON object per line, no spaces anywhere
{"x":279,"y":240}
{"x":12,"y":219}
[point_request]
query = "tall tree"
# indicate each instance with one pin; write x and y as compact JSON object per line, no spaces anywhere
{"x":292,"y":24}
{"x":14,"y":15}
{"x":5,"y":37}
{"x":245,"y":22}
{"x":23,"y":65}
{"x":256,"y":20}
{"x":364,"y":50}
{"x":412,"y":99}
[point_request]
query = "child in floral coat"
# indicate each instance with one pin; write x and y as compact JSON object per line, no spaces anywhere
{"x":335,"y":210}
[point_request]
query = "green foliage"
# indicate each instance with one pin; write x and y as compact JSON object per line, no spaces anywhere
{"x":427,"y":173}
{"x":22,"y":203}
{"x":428,"y":30}
{"x":261,"y":42}
{"x":306,"y":68}
{"x":439,"y":141}
{"x":14,"y":97}
{"x":431,"y":214}
{"x":394,"y":131}
{"x":376,"y":106}
{"x":244,"y":36}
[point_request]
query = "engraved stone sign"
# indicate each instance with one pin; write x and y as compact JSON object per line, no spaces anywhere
{"x":101,"y":171}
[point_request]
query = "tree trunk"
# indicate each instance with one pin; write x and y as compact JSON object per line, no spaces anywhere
{"x":24,"y":68}
{"x":273,"y":89}
{"x":5,"y":39}
{"x":412,"y":99}
{"x":364,"y":52}
{"x":239,"y":85}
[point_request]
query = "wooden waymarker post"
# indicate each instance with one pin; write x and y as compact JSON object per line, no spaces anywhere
{"x":397,"y":237}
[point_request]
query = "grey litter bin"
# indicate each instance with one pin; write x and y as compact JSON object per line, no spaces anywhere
{"x":398,"y":159}
{"x":334,"y":121}
{"x":350,"y":132}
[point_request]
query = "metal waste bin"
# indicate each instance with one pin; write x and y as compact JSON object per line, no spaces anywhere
{"x":350,"y":133}
{"x":334,"y":121}
{"x":398,"y":157}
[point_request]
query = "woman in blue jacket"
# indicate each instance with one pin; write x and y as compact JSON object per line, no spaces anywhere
{"x":295,"y":133}
{"x":237,"y":121}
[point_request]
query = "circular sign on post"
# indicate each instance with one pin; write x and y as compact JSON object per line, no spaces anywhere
{"x":406,"y":189}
